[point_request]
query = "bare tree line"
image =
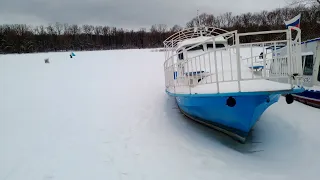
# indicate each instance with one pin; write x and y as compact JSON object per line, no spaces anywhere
{"x":21,"y":38}
{"x":304,"y":2}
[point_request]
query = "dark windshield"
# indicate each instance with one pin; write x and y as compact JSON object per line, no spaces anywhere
{"x":180,"y":54}
{"x":217,"y":46}
{"x":200,"y":47}
{"x":308,"y":65}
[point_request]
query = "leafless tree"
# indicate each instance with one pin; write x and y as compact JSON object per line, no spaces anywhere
{"x":303,"y":2}
{"x":175,"y":28}
{"x":58,"y":27}
{"x":50,"y":29}
{"x":86,"y":29}
{"x":20,"y":38}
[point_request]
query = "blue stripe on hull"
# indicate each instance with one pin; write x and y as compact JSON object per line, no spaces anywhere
{"x":308,"y":101}
{"x":310,"y":94}
{"x":238,"y":119}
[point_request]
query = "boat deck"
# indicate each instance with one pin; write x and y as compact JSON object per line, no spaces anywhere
{"x":315,"y":88}
{"x":258,"y":85}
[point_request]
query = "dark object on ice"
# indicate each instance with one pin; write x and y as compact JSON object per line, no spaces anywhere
{"x":289,"y":98}
{"x":72,"y":54}
{"x":46,"y":60}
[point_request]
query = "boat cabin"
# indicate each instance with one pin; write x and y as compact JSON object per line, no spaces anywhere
{"x":190,"y":45}
{"x":311,"y":62}
{"x":310,"y":57}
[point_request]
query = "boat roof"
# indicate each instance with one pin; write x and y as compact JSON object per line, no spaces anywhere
{"x":279,"y":46}
{"x":200,"y":39}
{"x":193,"y":32}
{"x":311,"y":40}
{"x":306,"y":53}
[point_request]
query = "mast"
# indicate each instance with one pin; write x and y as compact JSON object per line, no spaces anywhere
{"x":199,"y":23}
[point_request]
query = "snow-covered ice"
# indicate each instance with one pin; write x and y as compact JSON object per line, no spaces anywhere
{"x":105,"y":115}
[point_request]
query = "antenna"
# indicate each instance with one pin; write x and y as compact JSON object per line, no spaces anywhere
{"x":198,"y":18}
{"x":199,"y":24}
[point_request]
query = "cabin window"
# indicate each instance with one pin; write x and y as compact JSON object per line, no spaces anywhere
{"x":180,"y":54}
{"x":200,"y":47}
{"x":217,"y":46}
{"x":209,"y":46}
{"x":308,"y":65}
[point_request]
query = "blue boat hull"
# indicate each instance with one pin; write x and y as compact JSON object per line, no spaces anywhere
{"x":236,"y":121}
{"x":235,"y":118}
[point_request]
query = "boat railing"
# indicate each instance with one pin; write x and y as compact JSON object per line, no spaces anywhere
{"x":171,"y":43}
{"x":227,"y":65}
{"x":270,"y":68}
{"x":176,"y":54}
{"x":192,"y":32}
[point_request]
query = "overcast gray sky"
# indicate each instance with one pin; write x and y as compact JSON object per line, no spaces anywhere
{"x":123,"y":13}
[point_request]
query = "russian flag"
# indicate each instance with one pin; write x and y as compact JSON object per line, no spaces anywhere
{"x":294,"y":21}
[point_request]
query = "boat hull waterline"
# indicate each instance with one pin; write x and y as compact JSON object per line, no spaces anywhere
{"x":235,"y":120}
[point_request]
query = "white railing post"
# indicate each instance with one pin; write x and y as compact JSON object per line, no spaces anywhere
{"x":222,"y":65}
{"x":200,"y":69}
{"x":251,"y":61}
{"x":238,"y":60}
{"x":191,"y":64}
{"x":230,"y":64}
{"x":205,"y":68}
{"x":188,"y":75}
{"x":210,"y":67}
{"x":166,"y":51}
{"x":185,"y":59}
{"x":216,"y":64}
{"x":276,"y":60}
{"x":172,"y":48}
{"x":298,"y":62}
{"x":289,"y":56}
{"x":173,"y":70}
{"x":264,"y":62}
{"x":251,"y":55}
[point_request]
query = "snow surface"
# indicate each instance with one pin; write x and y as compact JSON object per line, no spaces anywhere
{"x":105,"y":115}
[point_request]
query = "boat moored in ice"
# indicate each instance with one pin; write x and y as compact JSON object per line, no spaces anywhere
{"x":206,"y":71}
{"x":310,"y":58}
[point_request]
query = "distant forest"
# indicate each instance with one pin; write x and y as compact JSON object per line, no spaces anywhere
{"x":21,"y":38}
